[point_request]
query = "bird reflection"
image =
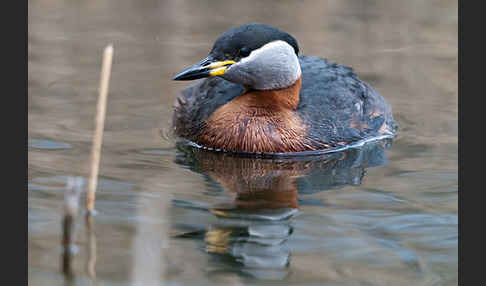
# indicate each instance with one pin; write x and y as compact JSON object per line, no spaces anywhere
{"x":250,"y":234}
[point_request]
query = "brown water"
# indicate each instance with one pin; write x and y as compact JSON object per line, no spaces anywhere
{"x":384,"y":214}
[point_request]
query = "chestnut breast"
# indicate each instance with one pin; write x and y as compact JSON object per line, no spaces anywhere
{"x":258,"y":121}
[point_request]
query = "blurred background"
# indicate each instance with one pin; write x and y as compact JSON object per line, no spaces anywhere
{"x":391,"y":222}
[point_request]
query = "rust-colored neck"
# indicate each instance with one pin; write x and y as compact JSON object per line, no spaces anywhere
{"x":258,"y":121}
{"x":286,"y":98}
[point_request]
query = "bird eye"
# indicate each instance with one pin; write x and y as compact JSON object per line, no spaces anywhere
{"x":244,"y":52}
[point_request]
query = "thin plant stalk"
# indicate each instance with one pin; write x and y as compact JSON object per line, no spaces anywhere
{"x":100,"y":122}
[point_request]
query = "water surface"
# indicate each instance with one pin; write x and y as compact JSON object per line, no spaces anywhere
{"x":382,"y":214}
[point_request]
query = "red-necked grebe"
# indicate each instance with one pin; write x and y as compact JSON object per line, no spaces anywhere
{"x":259,"y":95}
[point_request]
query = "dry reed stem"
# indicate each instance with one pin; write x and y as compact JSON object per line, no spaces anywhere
{"x":100,"y":122}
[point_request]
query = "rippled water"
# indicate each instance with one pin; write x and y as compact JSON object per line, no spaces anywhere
{"x":381,"y":214}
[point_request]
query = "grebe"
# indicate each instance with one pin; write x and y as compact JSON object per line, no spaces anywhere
{"x":259,"y":95}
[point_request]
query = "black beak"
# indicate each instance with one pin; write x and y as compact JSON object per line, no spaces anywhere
{"x":196,"y":71}
{"x":205,"y":68}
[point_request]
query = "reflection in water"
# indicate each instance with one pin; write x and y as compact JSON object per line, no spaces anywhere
{"x":91,"y":257}
{"x":71,"y":206}
{"x":72,"y":195}
{"x":250,"y":234}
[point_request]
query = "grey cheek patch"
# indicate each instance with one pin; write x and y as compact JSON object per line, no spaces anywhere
{"x":239,"y":75}
{"x":273,"y":66}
